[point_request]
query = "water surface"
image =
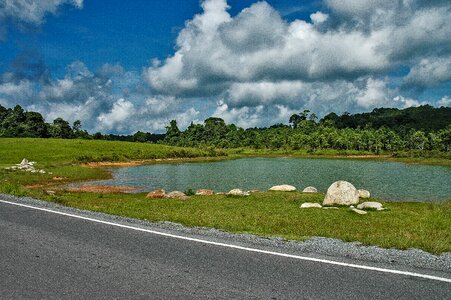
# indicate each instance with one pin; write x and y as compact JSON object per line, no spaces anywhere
{"x":385,"y":180}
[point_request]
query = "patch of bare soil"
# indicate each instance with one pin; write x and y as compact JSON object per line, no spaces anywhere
{"x":104,"y":189}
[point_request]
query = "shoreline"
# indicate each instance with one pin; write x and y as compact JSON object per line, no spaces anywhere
{"x":384,"y":158}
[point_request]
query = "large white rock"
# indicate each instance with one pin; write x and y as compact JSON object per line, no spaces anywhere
{"x":283,"y":188}
{"x":371,"y":205}
{"x":177,"y":195}
{"x":310,"y":189}
{"x":341,"y":193}
{"x":237,"y":192}
{"x":310,"y":205}
{"x":364,"y":194}
{"x":24,"y":162}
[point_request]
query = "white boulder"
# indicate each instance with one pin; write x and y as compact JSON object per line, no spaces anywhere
{"x":310,"y":205}
{"x":370,"y":205}
{"x":364,"y":194}
{"x":237,"y":192}
{"x":341,"y":193}
{"x":283,"y":188}
{"x":177,"y":195}
{"x":310,"y":189}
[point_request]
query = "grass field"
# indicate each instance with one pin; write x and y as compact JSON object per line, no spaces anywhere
{"x":403,"y":225}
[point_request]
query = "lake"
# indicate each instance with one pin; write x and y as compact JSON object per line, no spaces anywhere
{"x":385,"y":180}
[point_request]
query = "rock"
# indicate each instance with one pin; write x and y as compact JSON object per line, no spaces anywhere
{"x":253,"y":191}
{"x":42,"y":171}
{"x":310,"y":189}
{"x":50,"y":192}
{"x":283,"y":188}
{"x":364,"y":194}
{"x":331,"y":207}
{"x":310,"y":205}
{"x":177,"y":195}
{"x":371,"y":205}
{"x":204,"y":192}
{"x":237,"y":192}
{"x":359,"y":211}
{"x":341,"y":193}
{"x":156,"y":194}
{"x":24,"y":162}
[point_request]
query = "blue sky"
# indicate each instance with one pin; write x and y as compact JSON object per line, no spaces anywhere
{"x":122,"y":66}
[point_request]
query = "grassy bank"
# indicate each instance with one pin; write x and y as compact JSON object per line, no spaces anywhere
{"x":403,"y":225}
{"x":405,"y":157}
{"x":62,"y":158}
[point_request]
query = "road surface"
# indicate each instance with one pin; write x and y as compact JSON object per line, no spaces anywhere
{"x":49,"y":255}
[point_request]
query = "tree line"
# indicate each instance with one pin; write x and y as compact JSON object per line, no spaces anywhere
{"x":16,"y":122}
{"x":423,"y":128}
{"x":383,"y":130}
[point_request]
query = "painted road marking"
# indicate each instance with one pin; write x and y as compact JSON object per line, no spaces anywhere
{"x":325,"y":261}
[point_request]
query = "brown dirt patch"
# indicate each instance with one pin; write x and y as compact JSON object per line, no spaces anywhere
{"x":104,"y":189}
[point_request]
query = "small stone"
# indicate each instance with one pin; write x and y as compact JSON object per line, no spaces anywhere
{"x":24,"y":162}
{"x":204,"y":192}
{"x":359,"y":211}
{"x":156,"y":194}
{"x":310,"y":205}
{"x":370,"y":205}
{"x":253,"y":191}
{"x":237,"y":192}
{"x":42,"y":171}
{"x":177,"y":195}
{"x":330,"y":207}
{"x":283,"y":188}
{"x":50,"y":192}
{"x":310,"y":189}
{"x":364,"y":194}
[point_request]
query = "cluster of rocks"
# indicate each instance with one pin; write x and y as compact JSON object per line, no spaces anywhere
{"x":343,"y":193}
{"x":158,"y":194}
{"x":340,"y":193}
{"x":290,"y":188}
{"x":27,"y":166}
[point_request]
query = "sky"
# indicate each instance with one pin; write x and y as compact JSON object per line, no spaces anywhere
{"x":123,"y":66}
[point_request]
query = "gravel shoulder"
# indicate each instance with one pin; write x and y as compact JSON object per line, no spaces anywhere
{"x":413,"y":260}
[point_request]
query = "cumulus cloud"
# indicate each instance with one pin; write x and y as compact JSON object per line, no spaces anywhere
{"x":445,"y":101}
{"x":338,"y":61}
{"x":29,"y":13}
{"x":32,"y":11}
{"x":255,"y":68}
{"x":429,"y":72}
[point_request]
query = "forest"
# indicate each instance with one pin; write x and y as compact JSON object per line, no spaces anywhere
{"x":384,"y":130}
{"x":423,"y":128}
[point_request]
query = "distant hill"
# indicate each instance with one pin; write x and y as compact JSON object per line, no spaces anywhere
{"x":426,"y":118}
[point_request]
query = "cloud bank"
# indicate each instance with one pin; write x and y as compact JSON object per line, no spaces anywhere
{"x":256,"y":68}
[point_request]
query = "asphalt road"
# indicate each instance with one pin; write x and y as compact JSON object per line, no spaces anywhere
{"x":51,"y":256}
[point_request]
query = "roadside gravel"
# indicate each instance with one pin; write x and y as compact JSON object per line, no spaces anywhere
{"x":318,"y":247}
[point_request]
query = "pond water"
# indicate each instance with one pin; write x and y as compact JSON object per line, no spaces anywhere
{"x":385,"y":180}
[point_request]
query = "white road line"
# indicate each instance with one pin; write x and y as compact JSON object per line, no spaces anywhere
{"x":331,"y":262}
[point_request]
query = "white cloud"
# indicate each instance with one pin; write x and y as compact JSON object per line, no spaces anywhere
{"x":429,"y":72}
{"x":406,"y":102}
{"x":319,"y":17}
{"x":32,"y":11}
{"x":121,"y":111}
{"x":445,"y":101}
{"x":23,"y":88}
{"x":375,"y":94}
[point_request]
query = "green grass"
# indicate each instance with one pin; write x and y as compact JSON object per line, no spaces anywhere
{"x":403,"y":225}
{"x":63,"y":157}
